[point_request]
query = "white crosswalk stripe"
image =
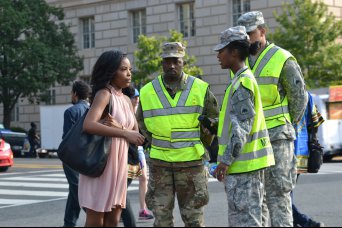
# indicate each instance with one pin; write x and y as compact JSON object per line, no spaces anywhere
{"x":35,"y":179}
{"x":32,"y":187}
{"x":36,"y":187}
{"x":30,"y":184}
{"x":33,"y":193}
{"x":325,"y":172}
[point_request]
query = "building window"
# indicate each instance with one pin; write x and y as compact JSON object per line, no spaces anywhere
{"x":88,"y":33}
{"x":240,"y":7}
{"x":138,"y":24}
{"x":187,"y":19}
{"x":51,"y":97}
{"x":15,"y":113}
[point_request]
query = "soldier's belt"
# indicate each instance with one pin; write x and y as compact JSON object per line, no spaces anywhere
{"x":156,"y":162}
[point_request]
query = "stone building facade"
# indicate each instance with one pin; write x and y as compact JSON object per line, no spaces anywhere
{"x":100,"y":25}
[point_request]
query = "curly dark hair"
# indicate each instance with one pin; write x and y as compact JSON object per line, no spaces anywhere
{"x":82,"y":89}
{"x":105,"y":69}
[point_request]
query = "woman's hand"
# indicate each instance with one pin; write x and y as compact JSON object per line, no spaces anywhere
{"x":111,"y":122}
{"x":131,"y":136}
{"x":134,"y":137}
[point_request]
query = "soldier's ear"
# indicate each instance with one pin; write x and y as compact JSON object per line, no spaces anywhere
{"x":263,"y":30}
{"x":235,"y":53}
{"x":184,"y":62}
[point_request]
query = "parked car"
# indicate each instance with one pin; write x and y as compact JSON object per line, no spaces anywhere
{"x":6,"y":156}
{"x":17,"y":140}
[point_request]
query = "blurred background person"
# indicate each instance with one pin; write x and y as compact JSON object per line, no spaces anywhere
{"x":79,"y":98}
{"x":34,"y":140}
{"x":306,"y":133}
{"x":144,"y":213}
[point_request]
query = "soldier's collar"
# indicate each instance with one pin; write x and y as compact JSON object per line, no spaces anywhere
{"x":243,"y":69}
{"x":181,"y":84}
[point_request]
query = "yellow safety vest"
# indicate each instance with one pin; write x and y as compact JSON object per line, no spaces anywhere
{"x":257,"y":153}
{"x":174,"y":122}
{"x":267,"y":71}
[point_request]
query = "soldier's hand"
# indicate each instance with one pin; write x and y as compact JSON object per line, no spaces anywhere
{"x":205,"y":130}
{"x":221,"y":171}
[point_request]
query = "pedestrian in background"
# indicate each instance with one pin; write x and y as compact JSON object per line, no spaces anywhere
{"x":168,"y":116}
{"x":127,"y":215}
{"x":306,"y":134}
{"x":79,"y":98}
{"x":34,"y":140}
{"x":284,"y":99}
{"x":244,"y":145}
{"x":105,"y":196}
{"x":144,"y":213}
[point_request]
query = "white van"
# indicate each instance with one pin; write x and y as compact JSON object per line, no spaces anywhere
{"x":330,"y":132}
{"x":51,"y":127}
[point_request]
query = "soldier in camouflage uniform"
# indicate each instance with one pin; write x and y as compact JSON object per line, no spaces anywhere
{"x":244,"y":145}
{"x":168,"y":116}
{"x":284,"y":100}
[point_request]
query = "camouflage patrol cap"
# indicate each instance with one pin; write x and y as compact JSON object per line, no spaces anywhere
{"x":251,"y":20}
{"x":230,"y":35}
{"x":173,"y":50}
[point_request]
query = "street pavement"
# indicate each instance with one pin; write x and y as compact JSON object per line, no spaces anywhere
{"x":34,"y":191}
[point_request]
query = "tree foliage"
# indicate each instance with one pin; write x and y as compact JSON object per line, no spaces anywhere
{"x":36,"y":51}
{"x":148,"y":60}
{"x":311,"y":34}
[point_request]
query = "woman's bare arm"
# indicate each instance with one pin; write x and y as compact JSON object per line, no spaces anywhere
{"x":92,"y":123}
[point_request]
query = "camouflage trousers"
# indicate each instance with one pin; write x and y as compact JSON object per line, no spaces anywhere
{"x":279,"y":182}
{"x":245,"y":194}
{"x":189,"y":184}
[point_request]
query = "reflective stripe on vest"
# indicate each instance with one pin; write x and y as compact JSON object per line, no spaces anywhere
{"x":276,"y":111}
{"x":267,"y":80}
{"x":252,"y":155}
{"x":183,"y":98}
{"x":265,"y":60}
{"x":173,"y":111}
{"x":223,"y":139}
{"x":173,"y":145}
{"x":258,"y":135}
{"x":185,"y":134}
